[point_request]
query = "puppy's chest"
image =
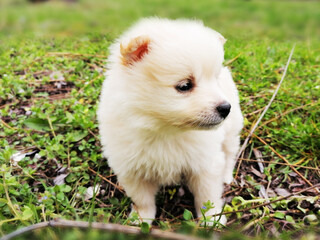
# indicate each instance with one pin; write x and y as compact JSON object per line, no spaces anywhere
{"x":165,"y":160}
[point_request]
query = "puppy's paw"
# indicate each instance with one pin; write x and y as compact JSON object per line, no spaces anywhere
{"x":136,"y":219}
{"x":228,"y":179}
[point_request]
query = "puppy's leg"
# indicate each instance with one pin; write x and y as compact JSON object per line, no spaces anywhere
{"x":208,"y":187}
{"x":142,"y":193}
{"x":230,"y":147}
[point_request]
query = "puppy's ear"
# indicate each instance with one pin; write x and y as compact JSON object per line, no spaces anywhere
{"x":222,"y":39}
{"x":134,"y":50}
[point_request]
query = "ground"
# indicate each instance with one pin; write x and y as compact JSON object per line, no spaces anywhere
{"x":52,"y":61}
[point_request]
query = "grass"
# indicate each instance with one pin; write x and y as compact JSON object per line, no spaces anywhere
{"x":52,"y":59}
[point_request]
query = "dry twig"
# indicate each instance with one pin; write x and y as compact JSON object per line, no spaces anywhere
{"x":107,"y":180}
{"x":7,"y":125}
{"x":243,"y":147}
{"x":284,"y":159}
{"x":268,"y":202}
{"x":280,"y":163}
{"x":67,"y":54}
{"x":233,"y":59}
{"x":117,"y":228}
{"x":285,"y":113}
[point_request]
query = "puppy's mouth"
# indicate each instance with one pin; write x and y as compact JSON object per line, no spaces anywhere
{"x":205,"y":122}
{"x":208,"y":120}
{"x":208,"y":125}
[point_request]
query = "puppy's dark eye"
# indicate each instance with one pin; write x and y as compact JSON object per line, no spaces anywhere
{"x":185,"y":85}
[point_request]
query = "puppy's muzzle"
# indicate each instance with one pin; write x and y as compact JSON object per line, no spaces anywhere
{"x":224,"y":109}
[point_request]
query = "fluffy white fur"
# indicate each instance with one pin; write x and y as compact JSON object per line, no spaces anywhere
{"x":153,"y":134}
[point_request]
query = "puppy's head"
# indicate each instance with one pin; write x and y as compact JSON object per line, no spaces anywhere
{"x":171,"y":73}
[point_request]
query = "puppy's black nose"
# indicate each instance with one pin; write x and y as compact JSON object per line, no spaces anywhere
{"x":224,"y":109}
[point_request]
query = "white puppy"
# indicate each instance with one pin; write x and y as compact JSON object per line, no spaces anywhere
{"x":169,"y":111}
